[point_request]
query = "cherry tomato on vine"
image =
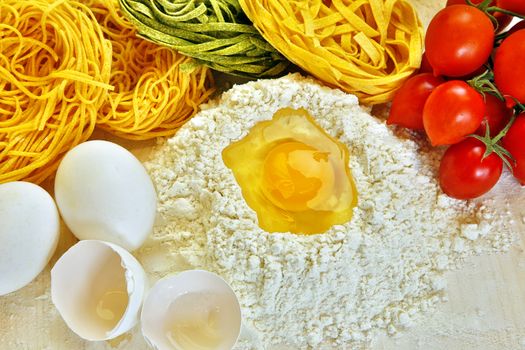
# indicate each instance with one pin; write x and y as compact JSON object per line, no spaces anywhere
{"x":497,"y":115}
{"x":477,"y":72}
{"x":514,"y":142}
{"x":516,"y":6}
{"x":452,"y":111}
{"x":503,"y":19}
{"x":459,"y":40}
{"x":465,"y":174}
{"x":408,"y":103}
{"x":509,"y":67}
{"x":425,"y":65}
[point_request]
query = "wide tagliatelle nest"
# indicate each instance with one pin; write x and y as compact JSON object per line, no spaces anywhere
{"x":365,"y":47}
{"x":155,"y":88}
{"x":54,"y":73}
{"x":215,"y":32}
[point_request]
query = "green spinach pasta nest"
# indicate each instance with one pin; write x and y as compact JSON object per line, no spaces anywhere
{"x":215,"y":32}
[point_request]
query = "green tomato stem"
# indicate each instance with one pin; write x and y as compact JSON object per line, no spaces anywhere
{"x":492,"y":145}
{"x":520,"y":108}
{"x":483,"y":84}
{"x":503,"y":132}
{"x":505,"y":156}
{"x":495,"y":90}
{"x":507,"y":12}
{"x":501,"y":36}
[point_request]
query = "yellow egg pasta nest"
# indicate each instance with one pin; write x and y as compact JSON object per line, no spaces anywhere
{"x":54,"y":73}
{"x":365,"y":47}
{"x":156,"y":89}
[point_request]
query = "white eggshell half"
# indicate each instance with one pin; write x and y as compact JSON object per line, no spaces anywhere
{"x":103,"y":192}
{"x":29,"y":231}
{"x":203,"y":289}
{"x":88,"y":270}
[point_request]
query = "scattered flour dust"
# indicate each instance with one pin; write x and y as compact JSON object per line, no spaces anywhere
{"x":376,"y":273}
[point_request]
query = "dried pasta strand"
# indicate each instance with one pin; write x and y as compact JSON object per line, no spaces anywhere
{"x":365,"y":47}
{"x":54,"y":74}
{"x":156,"y":88}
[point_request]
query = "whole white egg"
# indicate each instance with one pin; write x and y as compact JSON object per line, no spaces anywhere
{"x":104,"y":193}
{"x":29,"y":231}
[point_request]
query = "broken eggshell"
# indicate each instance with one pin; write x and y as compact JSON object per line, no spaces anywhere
{"x":194,"y":309}
{"x":98,"y":289}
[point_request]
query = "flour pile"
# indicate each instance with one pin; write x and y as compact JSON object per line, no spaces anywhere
{"x":334,"y":290}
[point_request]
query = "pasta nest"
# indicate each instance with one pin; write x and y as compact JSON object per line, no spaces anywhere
{"x":54,"y":73}
{"x":215,"y":32}
{"x":365,"y":47}
{"x":155,"y":88}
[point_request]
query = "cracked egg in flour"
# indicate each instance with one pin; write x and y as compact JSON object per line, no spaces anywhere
{"x":293,"y":174}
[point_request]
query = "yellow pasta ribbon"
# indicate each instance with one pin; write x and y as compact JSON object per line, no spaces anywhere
{"x":156,"y":89}
{"x":365,"y":47}
{"x":54,"y":75}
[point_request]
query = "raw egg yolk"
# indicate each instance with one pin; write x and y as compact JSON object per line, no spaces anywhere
{"x":293,"y":174}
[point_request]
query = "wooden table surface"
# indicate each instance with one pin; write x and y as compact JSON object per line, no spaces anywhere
{"x":485,"y":308}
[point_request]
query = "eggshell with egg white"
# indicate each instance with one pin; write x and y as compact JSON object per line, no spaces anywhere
{"x":200,"y":304}
{"x":81,"y":279}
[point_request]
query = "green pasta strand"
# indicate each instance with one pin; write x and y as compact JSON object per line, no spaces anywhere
{"x":214,"y":32}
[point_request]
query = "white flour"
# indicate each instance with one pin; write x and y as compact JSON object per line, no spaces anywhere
{"x":334,"y":290}
{"x":485,"y":310}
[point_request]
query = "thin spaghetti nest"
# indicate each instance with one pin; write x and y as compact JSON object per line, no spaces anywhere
{"x":54,"y":73}
{"x":365,"y":47}
{"x":156,"y":89}
{"x":215,"y":32}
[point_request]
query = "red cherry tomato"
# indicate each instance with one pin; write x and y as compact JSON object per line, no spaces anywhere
{"x":503,"y":19}
{"x":452,"y":111}
{"x":477,"y":72}
{"x":407,"y":106}
{"x":497,"y":115}
{"x":509,"y":67}
{"x":465,"y":174}
{"x":514,"y":142}
{"x":425,"y":65}
{"x":516,"y":6}
{"x":459,"y":40}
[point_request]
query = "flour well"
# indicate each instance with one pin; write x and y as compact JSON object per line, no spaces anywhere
{"x":336,"y":290}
